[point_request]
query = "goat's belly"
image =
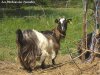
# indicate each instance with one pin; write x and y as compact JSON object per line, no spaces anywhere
{"x":42,"y":40}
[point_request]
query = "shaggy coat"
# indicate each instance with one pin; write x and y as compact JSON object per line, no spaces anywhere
{"x":33,"y":44}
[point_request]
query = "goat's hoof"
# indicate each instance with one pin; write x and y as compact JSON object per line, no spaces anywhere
{"x":43,"y":66}
{"x":53,"y":63}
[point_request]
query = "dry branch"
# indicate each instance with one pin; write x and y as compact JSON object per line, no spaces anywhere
{"x":85,"y":52}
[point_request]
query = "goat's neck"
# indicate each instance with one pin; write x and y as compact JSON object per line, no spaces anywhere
{"x":57,"y":35}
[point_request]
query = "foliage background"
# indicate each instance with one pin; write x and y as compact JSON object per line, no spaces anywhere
{"x":41,"y":16}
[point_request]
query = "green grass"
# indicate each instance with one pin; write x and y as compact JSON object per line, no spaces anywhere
{"x":37,"y":20}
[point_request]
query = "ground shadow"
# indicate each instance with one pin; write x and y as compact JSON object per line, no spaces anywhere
{"x":50,"y":67}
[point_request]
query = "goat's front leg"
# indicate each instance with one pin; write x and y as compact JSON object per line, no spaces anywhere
{"x":53,"y":56}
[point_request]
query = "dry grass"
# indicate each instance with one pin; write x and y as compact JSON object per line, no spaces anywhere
{"x":9,"y":68}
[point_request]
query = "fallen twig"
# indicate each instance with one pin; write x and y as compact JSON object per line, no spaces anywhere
{"x":74,"y":61}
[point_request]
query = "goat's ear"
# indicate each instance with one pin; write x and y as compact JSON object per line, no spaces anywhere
{"x":56,"y":20}
{"x":69,"y":21}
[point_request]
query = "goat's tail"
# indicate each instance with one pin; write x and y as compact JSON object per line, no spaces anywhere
{"x":19,"y":36}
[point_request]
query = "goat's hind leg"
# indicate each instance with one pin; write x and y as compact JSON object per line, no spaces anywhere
{"x":42,"y":60}
{"x":53,"y":56}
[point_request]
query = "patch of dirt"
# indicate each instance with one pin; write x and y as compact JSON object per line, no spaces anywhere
{"x":64,"y":67}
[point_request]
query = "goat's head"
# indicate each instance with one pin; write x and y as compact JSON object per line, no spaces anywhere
{"x":62,"y":25}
